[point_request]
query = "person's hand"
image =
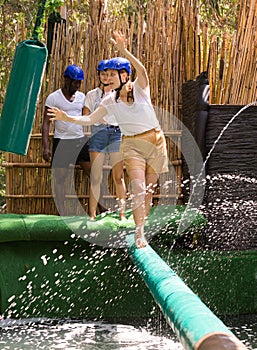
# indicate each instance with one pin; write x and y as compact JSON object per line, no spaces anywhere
{"x":57,"y":114}
{"x":119,"y":40}
{"x":47,"y":155}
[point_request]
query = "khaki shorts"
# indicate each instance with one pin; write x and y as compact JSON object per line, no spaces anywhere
{"x":146,"y":151}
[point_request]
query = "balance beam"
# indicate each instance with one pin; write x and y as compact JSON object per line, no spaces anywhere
{"x":196,"y":327}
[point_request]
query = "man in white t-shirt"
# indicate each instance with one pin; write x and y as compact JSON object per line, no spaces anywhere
{"x":70,"y":146}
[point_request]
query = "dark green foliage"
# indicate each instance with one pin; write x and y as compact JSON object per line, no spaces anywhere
{"x":221,"y":15}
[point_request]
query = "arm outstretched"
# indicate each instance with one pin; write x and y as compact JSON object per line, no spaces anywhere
{"x":97,"y":116}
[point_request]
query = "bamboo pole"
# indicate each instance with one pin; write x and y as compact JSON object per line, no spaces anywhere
{"x":175,"y":47}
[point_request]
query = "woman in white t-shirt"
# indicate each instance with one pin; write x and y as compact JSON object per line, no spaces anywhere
{"x":105,"y":138}
{"x":143,"y":142}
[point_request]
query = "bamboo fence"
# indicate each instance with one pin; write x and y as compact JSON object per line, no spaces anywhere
{"x":175,"y":46}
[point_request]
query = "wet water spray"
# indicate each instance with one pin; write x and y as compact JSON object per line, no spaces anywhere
{"x":200,"y":179}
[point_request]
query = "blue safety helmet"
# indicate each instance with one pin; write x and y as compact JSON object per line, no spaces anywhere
{"x":74,"y":72}
{"x":101,"y":65}
{"x":119,"y":63}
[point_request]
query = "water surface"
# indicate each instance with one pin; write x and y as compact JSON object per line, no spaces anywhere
{"x":75,"y":335}
{"x":31,"y":334}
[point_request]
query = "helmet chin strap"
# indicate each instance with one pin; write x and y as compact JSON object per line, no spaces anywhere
{"x":104,"y":85}
{"x":121,"y":83}
{"x":102,"y":82}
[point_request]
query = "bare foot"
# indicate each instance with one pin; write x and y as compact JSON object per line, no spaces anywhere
{"x":140,"y":240}
{"x":122,"y":216}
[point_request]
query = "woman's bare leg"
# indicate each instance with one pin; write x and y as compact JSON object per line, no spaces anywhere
{"x":151,"y":182}
{"x":118,"y":178}
{"x":97,"y":161}
{"x":138,"y":190}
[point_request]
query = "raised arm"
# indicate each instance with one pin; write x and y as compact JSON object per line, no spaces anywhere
{"x":119,"y":42}
{"x":96,"y":116}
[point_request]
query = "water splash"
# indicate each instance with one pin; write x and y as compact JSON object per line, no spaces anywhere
{"x":81,"y":334}
{"x":200,"y":180}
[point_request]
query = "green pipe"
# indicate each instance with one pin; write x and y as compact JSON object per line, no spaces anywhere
{"x":192,"y":321}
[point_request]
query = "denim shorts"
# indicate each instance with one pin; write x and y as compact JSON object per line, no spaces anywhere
{"x":105,"y":139}
{"x":69,"y":151}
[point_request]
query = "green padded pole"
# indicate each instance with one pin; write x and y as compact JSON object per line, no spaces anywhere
{"x":192,"y":321}
{"x":19,"y":108}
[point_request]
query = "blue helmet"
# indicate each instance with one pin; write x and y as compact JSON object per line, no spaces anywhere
{"x":74,"y":72}
{"x":119,"y":63}
{"x":101,"y":65}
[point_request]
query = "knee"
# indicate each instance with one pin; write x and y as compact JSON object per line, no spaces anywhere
{"x":96,"y":177}
{"x":118,"y":179}
{"x":138,"y":187}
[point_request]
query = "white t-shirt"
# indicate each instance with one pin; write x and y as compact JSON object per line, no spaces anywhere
{"x":67,"y":130}
{"x":134,"y":118}
{"x":92,"y":101}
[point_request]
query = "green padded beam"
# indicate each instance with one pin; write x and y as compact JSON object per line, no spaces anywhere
{"x":192,"y":321}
